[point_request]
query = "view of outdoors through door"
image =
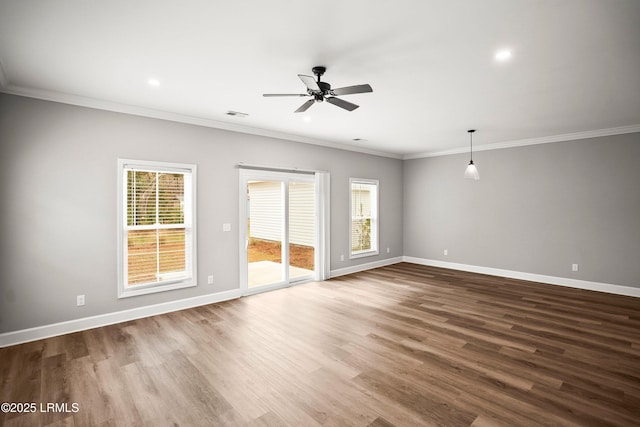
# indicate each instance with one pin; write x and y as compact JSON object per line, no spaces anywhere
{"x":265,"y":201}
{"x":302,"y":228}
{"x":269,"y":261}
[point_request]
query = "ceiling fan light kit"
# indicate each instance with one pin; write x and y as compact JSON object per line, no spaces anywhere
{"x":472,"y":171}
{"x":321,"y":91}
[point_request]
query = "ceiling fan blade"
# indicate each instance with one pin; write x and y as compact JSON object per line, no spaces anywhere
{"x":342,"y":103}
{"x":284,"y":94}
{"x":304,"y":107}
{"x":309,"y":82}
{"x":351,"y":89}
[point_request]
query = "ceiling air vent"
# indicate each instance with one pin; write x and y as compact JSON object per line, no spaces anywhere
{"x":236,"y":114}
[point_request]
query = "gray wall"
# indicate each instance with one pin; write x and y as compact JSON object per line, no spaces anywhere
{"x":58,"y":203}
{"x":536,"y":209}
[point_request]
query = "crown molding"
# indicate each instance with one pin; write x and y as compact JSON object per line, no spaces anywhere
{"x":116,"y":107}
{"x":532,"y":141}
{"x":88,"y":102}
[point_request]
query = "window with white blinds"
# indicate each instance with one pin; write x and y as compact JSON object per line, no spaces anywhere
{"x":156,"y":222}
{"x":364,"y":217}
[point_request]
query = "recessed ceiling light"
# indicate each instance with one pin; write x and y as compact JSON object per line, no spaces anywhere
{"x":236,"y":114}
{"x":503,"y":55}
{"x":153,"y":82}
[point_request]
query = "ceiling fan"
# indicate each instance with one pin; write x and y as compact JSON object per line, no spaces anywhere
{"x":321,"y":91}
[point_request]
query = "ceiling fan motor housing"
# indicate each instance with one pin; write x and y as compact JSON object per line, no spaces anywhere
{"x":325,"y":88}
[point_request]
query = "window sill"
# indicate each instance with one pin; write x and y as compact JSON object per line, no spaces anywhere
{"x":357,"y":255}
{"x":152,"y":289}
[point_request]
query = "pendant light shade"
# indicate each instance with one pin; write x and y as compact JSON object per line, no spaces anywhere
{"x":472,"y":171}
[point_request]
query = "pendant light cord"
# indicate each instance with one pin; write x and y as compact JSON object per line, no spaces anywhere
{"x":471,"y":131}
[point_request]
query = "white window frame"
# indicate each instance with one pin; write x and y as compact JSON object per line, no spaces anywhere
{"x":374,"y":219}
{"x":125,"y":290}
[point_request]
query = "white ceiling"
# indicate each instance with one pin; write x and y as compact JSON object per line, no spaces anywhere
{"x":575,"y":65}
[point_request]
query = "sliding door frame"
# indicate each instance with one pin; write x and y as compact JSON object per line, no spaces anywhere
{"x":321,"y":224}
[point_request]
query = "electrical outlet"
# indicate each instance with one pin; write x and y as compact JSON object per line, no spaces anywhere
{"x":388,"y":250}
{"x":342,"y":257}
{"x":574,"y":267}
{"x":226,"y":227}
{"x":80,"y":300}
{"x":446,"y":252}
{"x":210,"y":280}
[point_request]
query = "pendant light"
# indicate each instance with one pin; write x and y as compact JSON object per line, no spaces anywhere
{"x":472,"y":171}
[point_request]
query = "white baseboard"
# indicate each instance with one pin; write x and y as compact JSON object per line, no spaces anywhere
{"x":70,"y":326}
{"x":367,"y":266}
{"x":552,"y":280}
{"x":47,"y":331}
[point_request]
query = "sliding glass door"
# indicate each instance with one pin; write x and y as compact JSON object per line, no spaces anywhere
{"x":302,"y":229}
{"x":278,"y":214}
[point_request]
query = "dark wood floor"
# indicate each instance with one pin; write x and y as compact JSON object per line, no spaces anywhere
{"x":399,"y":345}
